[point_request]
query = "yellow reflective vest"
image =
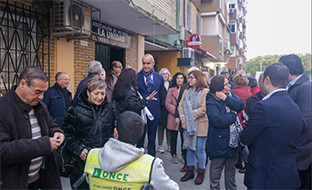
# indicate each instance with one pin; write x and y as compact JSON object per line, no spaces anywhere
{"x":131,"y":177}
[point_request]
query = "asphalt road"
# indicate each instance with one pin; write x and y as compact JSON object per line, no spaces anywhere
{"x":173,"y":170}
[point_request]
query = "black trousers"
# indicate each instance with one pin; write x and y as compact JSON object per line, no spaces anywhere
{"x":305,"y":178}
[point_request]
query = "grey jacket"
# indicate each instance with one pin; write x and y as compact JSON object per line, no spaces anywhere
{"x":127,"y":153}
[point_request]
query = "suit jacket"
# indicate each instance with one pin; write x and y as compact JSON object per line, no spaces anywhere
{"x":272,"y":133}
{"x":158,"y":85}
{"x":300,"y":92}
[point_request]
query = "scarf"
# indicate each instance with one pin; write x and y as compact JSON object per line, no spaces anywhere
{"x":190,"y":103}
{"x":149,"y":80}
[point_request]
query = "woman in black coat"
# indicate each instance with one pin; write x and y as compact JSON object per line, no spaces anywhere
{"x":88,"y":124}
{"x":126,"y":93}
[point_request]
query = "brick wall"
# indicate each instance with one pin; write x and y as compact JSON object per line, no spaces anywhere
{"x":168,"y":7}
{"x":82,"y":55}
{"x":132,"y":54}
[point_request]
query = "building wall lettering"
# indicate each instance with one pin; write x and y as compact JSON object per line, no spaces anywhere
{"x":110,"y":35}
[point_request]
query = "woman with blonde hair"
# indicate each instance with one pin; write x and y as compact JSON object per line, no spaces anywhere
{"x":192,"y":111}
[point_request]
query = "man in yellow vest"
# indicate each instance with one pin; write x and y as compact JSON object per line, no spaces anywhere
{"x":121,"y":165}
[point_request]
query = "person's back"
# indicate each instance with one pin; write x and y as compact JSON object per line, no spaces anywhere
{"x":120,"y":164}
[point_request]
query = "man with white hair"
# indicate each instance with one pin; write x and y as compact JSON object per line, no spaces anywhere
{"x":94,"y":69}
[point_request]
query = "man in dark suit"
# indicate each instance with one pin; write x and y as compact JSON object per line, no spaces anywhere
{"x":272,"y":134}
{"x":299,"y":89}
{"x":149,"y":81}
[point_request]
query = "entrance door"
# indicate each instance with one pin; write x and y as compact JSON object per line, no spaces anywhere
{"x":107,"y":54}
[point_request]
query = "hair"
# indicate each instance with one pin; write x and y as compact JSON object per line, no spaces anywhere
{"x":58,"y":75}
{"x":94,"y":67}
{"x":252,"y":82}
{"x":165,"y":70}
{"x":149,"y":55}
{"x":217,"y":83}
{"x":200,"y":80}
{"x":95,"y":83}
{"x":174,"y":79}
{"x":278,"y":74}
{"x":192,"y":69}
{"x":130,"y":127}
{"x":293,"y":63}
{"x":114,"y":63}
{"x":127,"y":80}
{"x":240,"y":79}
{"x":31,"y":73}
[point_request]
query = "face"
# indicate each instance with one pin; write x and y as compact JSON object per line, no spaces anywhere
{"x":179,"y":80}
{"x":32,"y":94}
{"x":166,"y":76}
{"x":192,"y":80}
{"x":148,"y":63}
{"x":264,"y":87}
{"x":227,"y":86}
{"x":118,"y":68}
{"x":102,"y":75}
{"x":63,"y":81}
{"x":207,"y":77}
{"x":96,"y":96}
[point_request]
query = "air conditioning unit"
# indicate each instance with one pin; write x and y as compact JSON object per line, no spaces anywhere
{"x":73,"y":16}
{"x":189,"y":53}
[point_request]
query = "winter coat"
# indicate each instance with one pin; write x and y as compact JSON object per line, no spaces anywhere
{"x":163,"y":110}
{"x":130,"y":102}
{"x":219,"y":122}
{"x":243,"y":93}
{"x":199,"y":114}
{"x":255,"y":90}
{"x":18,"y":147}
{"x":87,"y":126}
{"x":116,"y":155}
{"x":81,"y":87}
{"x":58,"y":100}
{"x":171,"y":104}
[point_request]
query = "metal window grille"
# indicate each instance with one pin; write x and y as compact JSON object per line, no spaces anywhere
{"x":24,"y":41}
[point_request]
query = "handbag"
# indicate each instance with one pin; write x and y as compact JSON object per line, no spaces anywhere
{"x":235,"y":129}
{"x":65,"y":161}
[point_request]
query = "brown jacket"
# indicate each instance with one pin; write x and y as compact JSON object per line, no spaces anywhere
{"x":171,"y":104}
{"x":199,"y":114}
{"x":18,"y":148}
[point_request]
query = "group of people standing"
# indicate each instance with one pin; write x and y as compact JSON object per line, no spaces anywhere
{"x":274,"y":121}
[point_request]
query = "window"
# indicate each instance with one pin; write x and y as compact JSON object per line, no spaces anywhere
{"x":233,"y":27}
{"x":197,"y":24}
{"x":189,"y":17}
{"x":232,"y":6}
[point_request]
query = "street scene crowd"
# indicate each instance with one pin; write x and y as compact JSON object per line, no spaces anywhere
{"x":97,"y":138}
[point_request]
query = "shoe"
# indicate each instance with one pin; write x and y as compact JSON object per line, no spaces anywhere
{"x":189,"y":173}
{"x":239,"y":165}
{"x":183,"y":169}
{"x":161,"y":149}
{"x":169,"y":148}
{"x":200,"y":176}
{"x":175,"y":159}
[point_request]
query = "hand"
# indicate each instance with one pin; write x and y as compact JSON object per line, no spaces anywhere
{"x":220,"y":95}
{"x":115,"y":134}
{"x":177,"y":120}
{"x":183,"y":122}
{"x":151,"y":96}
{"x":83,"y":154}
{"x":59,"y":137}
{"x":54,"y":143}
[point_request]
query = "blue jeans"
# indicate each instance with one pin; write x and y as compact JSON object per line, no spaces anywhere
{"x":200,"y":153}
{"x":151,"y":136}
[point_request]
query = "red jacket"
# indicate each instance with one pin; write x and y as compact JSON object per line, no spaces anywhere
{"x":255,"y":90}
{"x":243,"y":93}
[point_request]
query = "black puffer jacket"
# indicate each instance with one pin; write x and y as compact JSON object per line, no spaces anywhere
{"x":87,"y":125}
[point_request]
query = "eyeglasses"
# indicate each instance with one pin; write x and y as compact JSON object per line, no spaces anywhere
{"x":119,"y":67}
{"x":225,"y":84}
{"x":191,"y":78}
{"x":144,"y":63}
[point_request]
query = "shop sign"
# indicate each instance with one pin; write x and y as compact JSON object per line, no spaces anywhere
{"x":194,"y":41}
{"x":109,"y":35}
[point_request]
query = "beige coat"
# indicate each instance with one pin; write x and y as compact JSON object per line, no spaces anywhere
{"x":199,"y":114}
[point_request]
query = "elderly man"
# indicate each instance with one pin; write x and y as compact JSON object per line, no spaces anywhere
{"x":58,"y":99}
{"x":94,"y":68}
{"x":272,"y":134}
{"x":111,"y":79}
{"x":28,"y":136}
{"x":149,"y":81}
{"x":299,"y":89}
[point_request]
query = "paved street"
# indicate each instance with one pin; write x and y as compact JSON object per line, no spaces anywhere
{"x":173,"y":170}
